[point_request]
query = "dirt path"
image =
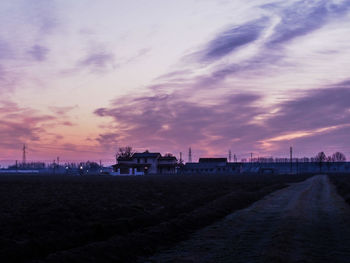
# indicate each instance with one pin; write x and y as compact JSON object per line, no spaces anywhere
{"x":306,"y":222}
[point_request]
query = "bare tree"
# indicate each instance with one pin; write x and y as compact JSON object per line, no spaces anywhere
{"x":320,"y":158}
{"x":338,"y":157}
{"x":329,"y":160}
{"x":125,"y":152}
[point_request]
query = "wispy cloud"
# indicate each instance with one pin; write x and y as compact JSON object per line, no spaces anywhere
{"x":282,"y":23}
{"x":26,"y":27}
{"x":20,"y":125}
{"x":6,"y":51}
{"x":62,"y":110}
{"x":303,"y":17}
{"x":97,"y":60}
{"x":39,"y":53}
{"x":234,"y":38}
{"x":318,"y":108}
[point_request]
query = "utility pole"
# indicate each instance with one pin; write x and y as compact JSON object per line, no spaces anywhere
{"x":180,"y":161}
{"x":24,"y":157}
{"x":190,"y":155}
{"x":229,"y":156}
{"x":235,"y":158}
{"x":251,"y":157}
{"x":291,"y":159}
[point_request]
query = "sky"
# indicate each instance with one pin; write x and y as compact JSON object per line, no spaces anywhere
{"x":78,"y":79}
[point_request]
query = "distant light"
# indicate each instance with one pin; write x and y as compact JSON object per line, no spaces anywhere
{"x":81,"y":167}
{"x":67,"y":168}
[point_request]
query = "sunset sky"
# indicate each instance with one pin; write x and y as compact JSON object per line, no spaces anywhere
{"x":78,"y":79}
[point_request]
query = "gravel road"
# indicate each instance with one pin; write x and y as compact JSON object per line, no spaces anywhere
{"x":306,"y":222}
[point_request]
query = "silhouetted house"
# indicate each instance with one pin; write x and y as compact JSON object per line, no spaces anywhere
{"x":146,"y":163}
{"x":211,"y":166}
{"x":167,"y":165}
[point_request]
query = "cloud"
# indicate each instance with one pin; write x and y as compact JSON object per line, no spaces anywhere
{"x":39,"y":53}
{"x":42,"y":14}
{"x":287,"y":21}
{"x":67,"y":123}
{"x":97,"y":60}
{"x":234,"y":38}
{"x":20,"y":125}
{"x":169,"y":121}
{"x":141,"y":53}
{"x":318,"y":108}
{"x":171,"y":116}
{"x":238,"y":121}
{"x":317,"y":119}
{"x":62,"y":111}
{"x":108,"y":141}
{"x":26,"y":27}
{"x":304,"y":17}
{"x":6,"y":51}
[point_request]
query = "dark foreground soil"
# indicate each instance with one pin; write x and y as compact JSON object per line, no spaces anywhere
{"x":342,"y":182}
{"x":109,"y":219}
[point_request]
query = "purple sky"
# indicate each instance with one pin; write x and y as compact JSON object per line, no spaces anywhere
{"x":81,"y":78}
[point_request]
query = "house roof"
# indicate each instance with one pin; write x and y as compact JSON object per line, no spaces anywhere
{"x":146,"y":155}
{"x":213,"y":160}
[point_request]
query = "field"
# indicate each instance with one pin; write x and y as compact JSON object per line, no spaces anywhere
{"x":342,"y":183}
{"x":116,"y":219}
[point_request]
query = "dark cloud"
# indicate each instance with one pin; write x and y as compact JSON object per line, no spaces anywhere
{"x":296,"y":20}
{"x":39,"y":53}
{"x":228,"y":41}
{"x":304,"y":17}
{"x":171,"y":122}
{"x":315,"y":109}
{"x":108,"y":141}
